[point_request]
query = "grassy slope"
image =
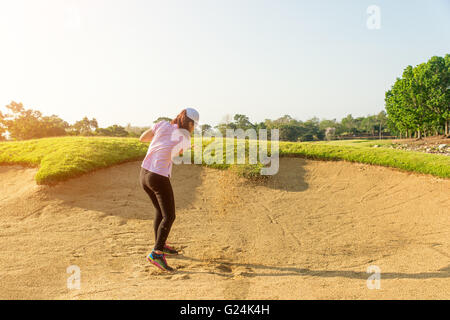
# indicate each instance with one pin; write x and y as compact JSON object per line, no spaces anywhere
{"x":363,"y":152}
{"x":62,"y":158}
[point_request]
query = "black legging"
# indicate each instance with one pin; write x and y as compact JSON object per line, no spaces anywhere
{"x":160,"y":192}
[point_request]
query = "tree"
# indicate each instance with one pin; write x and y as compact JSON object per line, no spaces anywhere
{"x":2,"y":127}
{"x":329,"y":128}
{"x":204,"y":128}
{"x":22,"y":124}
{"x":112,"y":131}
{"x":226,"y":123}
{"x":349,"y":124}
{"x":288,"y":132}
{"x":84,"y":127}
{"x":163,"y":119}
{"x":30,"y":124}
{"x":286,"y":119}
{"x":447,"y":95}
{"x":330,"y":133}
{"x":135,"y":131}
{"x":324,"y":124}
{"x":54,"y":126}
{"x":398,"y":113}
{"x":369,"y":124}
{"x":241,"y":122}
{"x":382,"y":120}
{"x":436,"y":80}
{"x":293,"y":130}
{"x":311,"y":130}
{"x":262,"y":125}
{"x":420,"y":100}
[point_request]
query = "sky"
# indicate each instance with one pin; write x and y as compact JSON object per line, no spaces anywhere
{"x":129,"y":61}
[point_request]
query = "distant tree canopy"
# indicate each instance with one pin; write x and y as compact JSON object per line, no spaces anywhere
{"x":135,"y":131}
{"x":419,"y":101}
{"x":2,"y":127}
{"x":163,"y":119}
{"x":22,"y":124}
{"x":241,"y":121}
{"x":313,"y":129}
{"x":417,"y":104}
{"x":205,"y":127}
{"x":112,"y":131}
{"x":296,"y":130}
{"x":30,"y":124}
{"x":84,"y":127}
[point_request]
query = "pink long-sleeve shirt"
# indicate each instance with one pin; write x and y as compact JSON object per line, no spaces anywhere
{"x":167,"y":142}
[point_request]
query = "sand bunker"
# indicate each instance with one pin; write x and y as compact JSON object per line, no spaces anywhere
{"x":310,"y":232}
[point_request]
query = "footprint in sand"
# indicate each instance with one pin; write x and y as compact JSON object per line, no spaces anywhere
{"x":224,"y":268}
{"x":236,"y":289}
{"x":181,"y":277}
{"x":241,"y":271}
{"x":157,"y":272}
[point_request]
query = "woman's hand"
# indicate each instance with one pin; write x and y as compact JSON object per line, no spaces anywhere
{"x":147,"y":136}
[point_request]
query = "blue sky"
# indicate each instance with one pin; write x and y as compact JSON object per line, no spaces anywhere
{"x":132,"y":61}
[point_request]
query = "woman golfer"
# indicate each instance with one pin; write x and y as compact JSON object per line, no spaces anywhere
{"x":167,"y":140}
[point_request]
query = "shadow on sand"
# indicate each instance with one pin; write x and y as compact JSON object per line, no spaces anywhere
{"x":116,"y":191}
{"x":293,"y":271}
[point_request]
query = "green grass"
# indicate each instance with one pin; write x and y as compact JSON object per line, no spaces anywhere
{"x":245,"y":169}
{"x":363,"y":152}
{"x":360,"y":142}
{"x":64,"y":157}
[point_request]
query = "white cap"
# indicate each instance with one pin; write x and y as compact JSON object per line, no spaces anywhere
{"x":192,"y":114}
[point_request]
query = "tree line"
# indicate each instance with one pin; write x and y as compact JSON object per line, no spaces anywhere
{"x":290,"y":129}
{"x":418,"y":103}
{"x":22,"y":124}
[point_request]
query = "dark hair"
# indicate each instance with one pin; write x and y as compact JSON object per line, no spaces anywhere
{"x":182,"y":120}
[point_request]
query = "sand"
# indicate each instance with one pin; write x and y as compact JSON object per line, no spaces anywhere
{"x":310,"y":232}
